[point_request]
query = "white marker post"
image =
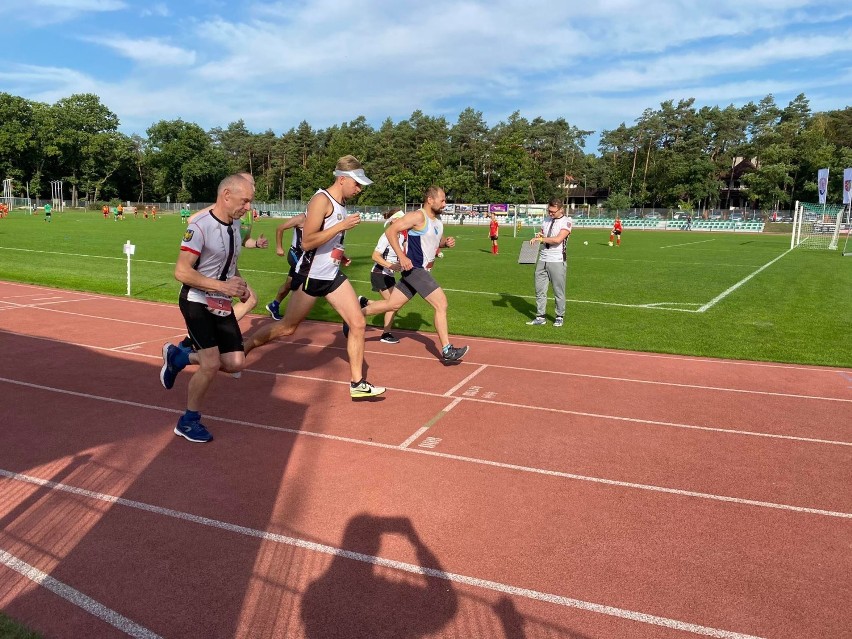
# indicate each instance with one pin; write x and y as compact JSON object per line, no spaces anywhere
{"x":129,"y":249}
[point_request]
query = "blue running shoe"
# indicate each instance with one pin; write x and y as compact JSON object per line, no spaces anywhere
{"x":193,"y":430}
{"x":170,"y":369}
{"x":274,"y":309}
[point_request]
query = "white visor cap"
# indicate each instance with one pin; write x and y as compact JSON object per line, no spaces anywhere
{"x":357,"y":175}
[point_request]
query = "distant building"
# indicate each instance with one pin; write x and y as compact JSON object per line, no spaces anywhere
{"x":734,"y":193}
{"x":577,"y":195}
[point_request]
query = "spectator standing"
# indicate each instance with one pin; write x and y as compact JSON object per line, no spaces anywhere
{"x":551,"y":266}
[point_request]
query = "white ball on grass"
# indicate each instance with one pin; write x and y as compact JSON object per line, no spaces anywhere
{"x":586,"y":243}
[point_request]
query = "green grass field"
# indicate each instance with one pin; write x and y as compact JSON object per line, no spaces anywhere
{"x":661,"y":291}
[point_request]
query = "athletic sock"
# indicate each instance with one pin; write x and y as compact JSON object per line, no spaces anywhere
{"x":191,"y":415}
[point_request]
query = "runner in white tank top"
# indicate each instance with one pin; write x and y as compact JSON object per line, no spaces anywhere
{"x":319,"y":275}
{"x":323,"y":262}
{"x":425,"y":237}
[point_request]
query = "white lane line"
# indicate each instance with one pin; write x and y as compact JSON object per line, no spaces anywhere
{"x":312,"y":546}
{"x":725,"y":294}
{"x":460,"y":458}
{"x":74,"y":596}
{"x":562,"y":411}
{"x":503,"y":366}
{"x":414,"y":437}
{"x":687,"y":243}
{"x":450,"y":392}
{"x":97,"y":317}
{"x":729,"y":431}
{"x":652,"y":422}
{"x":430,"y":423}
{"x":702,"y":387}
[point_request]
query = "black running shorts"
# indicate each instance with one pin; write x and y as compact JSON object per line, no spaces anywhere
{"x":208,"y":330}
{"x":321,"y":288}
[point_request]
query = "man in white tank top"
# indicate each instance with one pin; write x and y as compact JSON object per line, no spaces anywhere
{"x":425,"y":233}
{"x":318,"y":272}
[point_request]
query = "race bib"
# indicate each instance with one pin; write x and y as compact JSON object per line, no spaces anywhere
{"x":337,"y":254}
{"x":218,"y":304}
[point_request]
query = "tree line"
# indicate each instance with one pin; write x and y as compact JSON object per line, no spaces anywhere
{"x":674,"y":155}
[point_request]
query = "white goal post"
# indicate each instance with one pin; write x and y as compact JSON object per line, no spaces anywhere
{"x":819,"y":226}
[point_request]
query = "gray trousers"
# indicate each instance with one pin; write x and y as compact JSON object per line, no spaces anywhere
{"x":550,"y":273}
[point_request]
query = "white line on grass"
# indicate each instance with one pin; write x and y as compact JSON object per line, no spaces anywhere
{"x":463,"y":458}
{"x":652,"y":305}
{"x":725,"y":294}
{"x":687,"y":244}
{"x":374,"y":560}
{"x":68,"y":593}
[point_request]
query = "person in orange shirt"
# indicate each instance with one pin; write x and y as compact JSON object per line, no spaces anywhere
{"x":105,"y":211}
{"x":154,"y":212}
{"x":615,"y":234}
{"x":494,"y":232}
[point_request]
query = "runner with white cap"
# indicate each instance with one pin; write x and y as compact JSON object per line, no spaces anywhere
{"x":318,"y":272}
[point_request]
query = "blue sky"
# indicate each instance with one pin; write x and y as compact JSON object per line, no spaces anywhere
{"x":274,"y":64}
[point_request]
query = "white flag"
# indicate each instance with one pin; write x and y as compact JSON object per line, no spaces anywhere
{"x":822,"y":184}
{"x":847,"y":186}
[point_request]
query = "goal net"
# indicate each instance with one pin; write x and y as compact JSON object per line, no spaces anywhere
{"x":819,"y":226}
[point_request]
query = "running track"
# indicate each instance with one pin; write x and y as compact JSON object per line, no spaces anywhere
{"x":531,"y":491}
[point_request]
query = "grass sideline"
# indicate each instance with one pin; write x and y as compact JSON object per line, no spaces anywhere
{"x":646,"y":295}
{"x":11,"y":629}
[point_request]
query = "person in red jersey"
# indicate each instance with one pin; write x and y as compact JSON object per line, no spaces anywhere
{"x":615,"y":234}
{"x":494,"y":233}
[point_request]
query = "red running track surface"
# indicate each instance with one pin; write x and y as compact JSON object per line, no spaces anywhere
{"x":530,"y":491}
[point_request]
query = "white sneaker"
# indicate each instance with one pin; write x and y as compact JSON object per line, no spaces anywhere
{"x":558,"y":322}
{"x":538,"y":321}
{"x":364,"y":389}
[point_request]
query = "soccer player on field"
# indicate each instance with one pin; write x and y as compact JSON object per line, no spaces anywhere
{"x":494,"y":232}
{"x":616,"y":232}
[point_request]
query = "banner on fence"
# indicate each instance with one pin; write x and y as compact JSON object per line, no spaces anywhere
{"x":847,"y":186}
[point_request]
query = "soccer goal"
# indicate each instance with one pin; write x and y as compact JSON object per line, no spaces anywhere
{"x":819,"y":226}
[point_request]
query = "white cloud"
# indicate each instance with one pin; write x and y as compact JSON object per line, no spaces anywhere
{"x":596,"y":65}
{"x":47,"y":12}
{"x":689,"y":68}
{"x":159,"y":10}
{"x":146,"y":51}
